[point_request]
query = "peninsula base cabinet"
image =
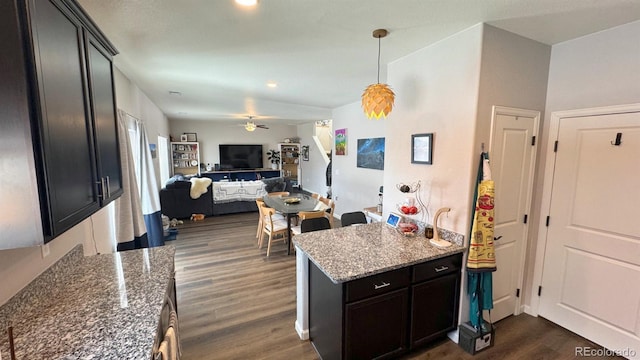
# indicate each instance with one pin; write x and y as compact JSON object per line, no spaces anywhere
{"x":384,"y":315}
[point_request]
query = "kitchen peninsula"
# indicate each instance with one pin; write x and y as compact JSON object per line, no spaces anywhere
{"x":368,"y":291}
{"x":104,"y":307}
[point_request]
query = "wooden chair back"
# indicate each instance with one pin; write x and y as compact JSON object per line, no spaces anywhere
{"x":310,"y":214}
{"x":279,"y":193}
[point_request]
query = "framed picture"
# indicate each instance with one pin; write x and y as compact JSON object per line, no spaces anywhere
{"x":422,"y":149}
{"x":341,"y":142}
{"x":305,"y":153}
{"x":154,"y":152}
{"x":183,"y":138}
{"x":191,"y":137}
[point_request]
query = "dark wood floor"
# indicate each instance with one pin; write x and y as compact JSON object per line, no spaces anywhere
{"x":234,"y":303}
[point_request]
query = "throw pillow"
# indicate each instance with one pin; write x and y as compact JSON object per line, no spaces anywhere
{"x":274,"y":184}
{"x":199,"y":186}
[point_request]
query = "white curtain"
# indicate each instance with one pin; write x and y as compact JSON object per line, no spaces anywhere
{"x":138,"y":213}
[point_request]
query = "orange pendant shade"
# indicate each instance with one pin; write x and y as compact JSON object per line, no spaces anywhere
{"x":377,"y":100}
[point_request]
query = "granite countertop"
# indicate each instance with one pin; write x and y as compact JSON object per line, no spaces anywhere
{"x":354,"y":252}
{"x":98,"y":307}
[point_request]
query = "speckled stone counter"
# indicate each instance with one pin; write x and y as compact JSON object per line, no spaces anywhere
{"x":99,"y":307}
{"x":353,"y":252}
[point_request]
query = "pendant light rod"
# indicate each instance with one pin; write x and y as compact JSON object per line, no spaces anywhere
{"x":377,"y":99}
{"x":379,"y":34}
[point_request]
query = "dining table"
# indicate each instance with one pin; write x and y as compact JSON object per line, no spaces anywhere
{"x":291,"y":205}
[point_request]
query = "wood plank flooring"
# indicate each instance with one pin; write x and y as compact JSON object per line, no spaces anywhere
{"x":235,"y":303}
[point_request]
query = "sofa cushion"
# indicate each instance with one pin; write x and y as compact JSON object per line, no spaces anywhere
{"x":179,"y":184}
{"x":274,"y":184}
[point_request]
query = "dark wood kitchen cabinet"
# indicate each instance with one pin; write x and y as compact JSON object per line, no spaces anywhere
{"x":63,"y":84}
{"x":102,"y":95}
{"x":434,"y":299}
{"x":386,"y":314}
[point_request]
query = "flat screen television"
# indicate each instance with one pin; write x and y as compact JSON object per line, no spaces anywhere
{"x":240,"y":157}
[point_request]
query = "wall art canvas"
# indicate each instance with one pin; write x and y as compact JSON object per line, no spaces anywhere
{"x":341,"y":142}
{"x":371,"y":153}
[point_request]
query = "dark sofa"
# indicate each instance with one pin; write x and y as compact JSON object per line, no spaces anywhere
{"x":175,"y":201}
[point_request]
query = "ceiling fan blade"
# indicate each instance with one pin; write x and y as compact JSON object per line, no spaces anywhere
{"x":262,"y":126}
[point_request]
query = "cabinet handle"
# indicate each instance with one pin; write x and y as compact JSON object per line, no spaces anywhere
{"x":101,"y":188}
{"x":383,"y":285}
{"x":108,"y":188}
{"x":441,"y":268}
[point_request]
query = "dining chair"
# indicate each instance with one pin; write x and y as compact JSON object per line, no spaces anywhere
{"x":277,"y":216}
{"x":259,"y":203}
{"x":355,"y":217}
{"x":315,"y":195}
{"x":271,"y":228}
{"x":315,"y":224}
{"x":303,"y":215}
{"x":332,"y":207}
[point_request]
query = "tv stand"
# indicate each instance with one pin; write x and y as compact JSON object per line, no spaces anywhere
{"x":238,"y":175}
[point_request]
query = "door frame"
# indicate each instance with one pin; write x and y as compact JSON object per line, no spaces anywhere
{"x":504,"y":110}
{"x":547,"y":185}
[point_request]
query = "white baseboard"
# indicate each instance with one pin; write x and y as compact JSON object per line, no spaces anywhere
{"x":303,"y":334}
{"x":529,"y":310}
{"x":454,"y":335}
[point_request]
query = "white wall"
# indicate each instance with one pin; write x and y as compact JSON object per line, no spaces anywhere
{"x":213,"y":133}
{"x":514,"y":73}
{"x":355,"y":188}
{"x":133,"y":101}
{"x":325,"y":135}
{"x":446,"y":89}
{"x":313,"y":171}
{"x":18,"y":267}
{"x":597,"y":70}
{"x":437,"y":92}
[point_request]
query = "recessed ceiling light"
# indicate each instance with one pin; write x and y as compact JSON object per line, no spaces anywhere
{"x":272,"y":84}
{"x":247,"y":2}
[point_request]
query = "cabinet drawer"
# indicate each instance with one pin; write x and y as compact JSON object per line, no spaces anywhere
{"x":377,"y":284}
{"x":438,"y":267}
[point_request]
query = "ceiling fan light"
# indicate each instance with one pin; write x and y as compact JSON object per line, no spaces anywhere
{"x":377,"y":100}
{"x":250,"y":126}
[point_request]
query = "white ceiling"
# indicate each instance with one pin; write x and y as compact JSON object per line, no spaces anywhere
{"x":320,"y":52}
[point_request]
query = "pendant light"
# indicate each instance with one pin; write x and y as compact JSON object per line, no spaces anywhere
{"x":377,"y":99}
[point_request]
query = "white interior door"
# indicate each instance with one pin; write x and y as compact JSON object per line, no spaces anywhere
{"x":512,"y":158}
{"x":591,"y":274}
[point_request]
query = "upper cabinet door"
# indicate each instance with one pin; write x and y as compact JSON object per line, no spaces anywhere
{"x":101,"y":93}
{"x":20,"y":211}
{"x":66,"y":137}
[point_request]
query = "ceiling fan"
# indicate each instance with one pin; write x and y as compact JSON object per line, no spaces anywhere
{"x":252,"y":126}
